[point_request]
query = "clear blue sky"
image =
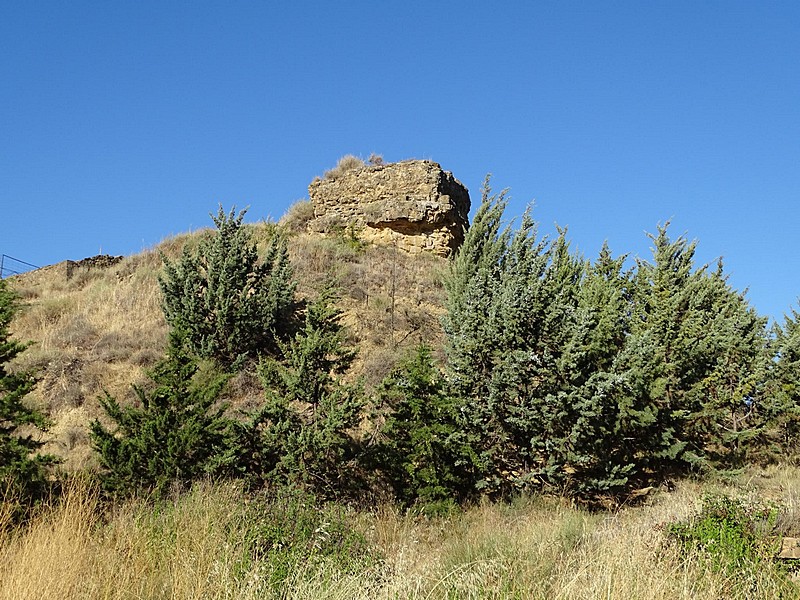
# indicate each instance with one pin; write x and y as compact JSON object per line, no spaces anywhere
{"x":122,"y":123}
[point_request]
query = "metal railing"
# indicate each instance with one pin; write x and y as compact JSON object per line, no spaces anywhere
{"x":13,"y":266}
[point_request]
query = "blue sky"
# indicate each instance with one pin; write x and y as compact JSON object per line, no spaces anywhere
{"x":122,"y":123}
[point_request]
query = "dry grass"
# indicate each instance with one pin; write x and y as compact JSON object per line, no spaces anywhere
{"x":347,"y":163}
{"x":535,"y":547}
{"x":392,"y":301}
{"x":297,"y":216}
{"x":92,"y":330}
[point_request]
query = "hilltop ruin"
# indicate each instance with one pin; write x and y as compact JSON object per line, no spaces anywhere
{"x":414,"y":205}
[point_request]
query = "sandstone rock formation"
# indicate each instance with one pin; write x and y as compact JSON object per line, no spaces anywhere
{"x":412,"y":204}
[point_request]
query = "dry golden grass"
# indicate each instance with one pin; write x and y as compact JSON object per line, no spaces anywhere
{"x":297,"y":216}
{"x":346,"y":163}
{"x":535,"y":547}
{"x":94,"y":330}
{"x":392,"y":301}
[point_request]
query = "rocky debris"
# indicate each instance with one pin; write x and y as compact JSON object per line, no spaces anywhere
{"x":414,"y":205}
{"x":101,"y":261}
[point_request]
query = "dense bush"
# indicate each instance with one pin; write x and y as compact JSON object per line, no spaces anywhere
{"x":421,"y":444}
{"x":583,"y":377}
{"x":587,"y":378}
{"x":175,"y":434}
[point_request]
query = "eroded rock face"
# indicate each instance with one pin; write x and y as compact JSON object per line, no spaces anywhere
{"x":413,"y":204}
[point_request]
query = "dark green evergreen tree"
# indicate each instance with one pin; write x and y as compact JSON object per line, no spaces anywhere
{"x":175,"y":434}
{"x":230,"y":304}
{"x":694,"y":348}
{"x":779,"y":404}
{"x":23,"y":472}
{"x":422,"y":445}
{"x":665,"y":361}
{"x":304,"y":433}
{"x":732,"y":418}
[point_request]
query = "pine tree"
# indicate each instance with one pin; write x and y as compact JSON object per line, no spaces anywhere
{"x":230,"y":304}
{"x":303,"y":435}
{"x":175,"y":434}
{"x":23,"y":473}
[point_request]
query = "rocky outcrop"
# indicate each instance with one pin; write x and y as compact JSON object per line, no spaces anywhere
{"x":414,"y":205}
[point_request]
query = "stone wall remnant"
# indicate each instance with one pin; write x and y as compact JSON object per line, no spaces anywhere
{"x":414,"y":205}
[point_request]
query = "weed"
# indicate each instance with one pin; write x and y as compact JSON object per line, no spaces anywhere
{"x":293,"y":532}
{"x":732,"y":535}
{"x":348,"y":235}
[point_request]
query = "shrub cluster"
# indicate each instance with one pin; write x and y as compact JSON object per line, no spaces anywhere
{"x":736,"y":538}
{"x":583,"y":377}
{"x":228,"y":303}
{"x":587,"y":377}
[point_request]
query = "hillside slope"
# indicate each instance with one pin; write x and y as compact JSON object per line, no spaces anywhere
{"x":97,"y":327}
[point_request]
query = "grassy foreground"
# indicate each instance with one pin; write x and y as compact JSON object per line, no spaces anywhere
{"x":217,"y":542}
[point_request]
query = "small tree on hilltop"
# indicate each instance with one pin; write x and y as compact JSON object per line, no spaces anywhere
{"x":229,"y":303}
{"x":23,"y":475}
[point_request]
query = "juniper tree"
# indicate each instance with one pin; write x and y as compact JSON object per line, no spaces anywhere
{"x":172,"y":435}
{"x":589,"y":419}
{"x":422,"y":444}
{"x":732,"y":415}
{"x":538,"y":302}
{"x":303,"y":435}
{"x":494,"y":289}
{"x":23,"y":472}
{"x":780,"y":402}
{"x":694,"y":346}
{"x":471,"y":284}
{"x":661,"y":354}
{"x":229,"y":303}
{"x":588,"y":378}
